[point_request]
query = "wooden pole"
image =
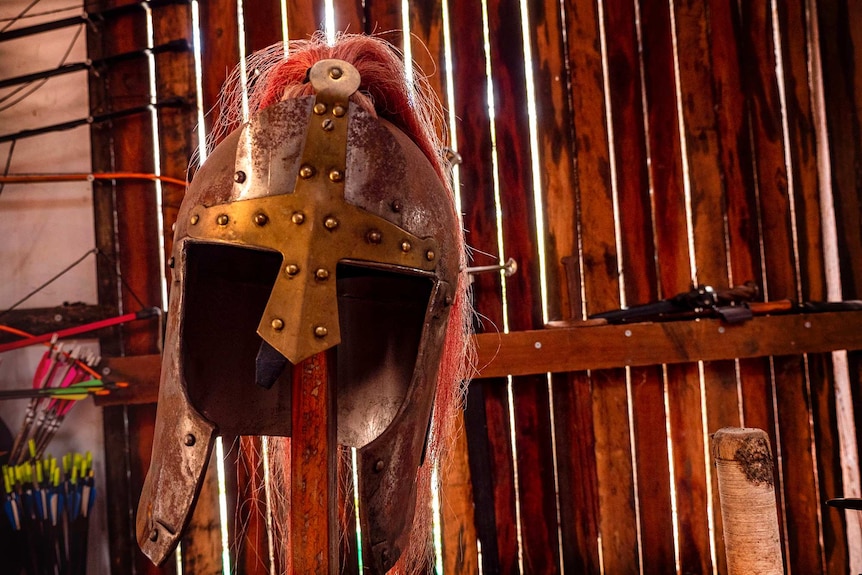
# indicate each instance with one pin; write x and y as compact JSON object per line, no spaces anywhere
{"x":743,"y":461}
{"x":313,"y":539}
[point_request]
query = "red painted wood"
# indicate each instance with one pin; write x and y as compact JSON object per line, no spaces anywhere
{"x":304,"y":18}
{"x":641,"y":286}
{"x":263,"y":24}
{"x":313,"y":469}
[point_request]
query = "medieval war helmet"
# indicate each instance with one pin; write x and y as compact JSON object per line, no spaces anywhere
{"x":324,"y":222}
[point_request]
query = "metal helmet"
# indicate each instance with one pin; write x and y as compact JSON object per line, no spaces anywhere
{"x":315,"y":225}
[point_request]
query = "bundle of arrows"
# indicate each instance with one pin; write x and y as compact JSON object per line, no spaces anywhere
{"x":48,"y":505}
{"x":60,"y":379}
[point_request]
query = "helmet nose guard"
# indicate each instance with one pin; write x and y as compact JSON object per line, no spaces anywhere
{"x":331,"y":203}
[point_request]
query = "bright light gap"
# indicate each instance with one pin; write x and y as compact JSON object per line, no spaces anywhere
{"x":267,"y":488}
{"x":674,"y":503}
{"x":354,"y":468}
{"x":448,"y":69}
{"x":707,"y":464}
{"x":222,"y":505}
{"x":243,"y":70}
{"x":285,"y":31}
{"x":329,"y":21}
{"x":199,"y":91}
{"x":438,"y":525}
{"x":157,"y":156}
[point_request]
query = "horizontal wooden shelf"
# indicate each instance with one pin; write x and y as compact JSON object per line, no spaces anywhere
{"x":562,"y":349}
{"x":640,"y":344}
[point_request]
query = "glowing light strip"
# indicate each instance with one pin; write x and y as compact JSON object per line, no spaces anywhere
{"x":285,"y":32}
{"x":222,"y":505}
{"x":435,"y":510}
{"x":674,"y":503}
{"x":199,"y":98}
{"x":267,"y":488}
{"x":450,"y":95}
{"x":329,"y":21}
{"x":243,"y":71}
{"x":157,"y":156}
{"x":354,"y":466}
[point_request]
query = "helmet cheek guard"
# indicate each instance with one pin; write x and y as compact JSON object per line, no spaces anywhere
{"x":314,"y":226}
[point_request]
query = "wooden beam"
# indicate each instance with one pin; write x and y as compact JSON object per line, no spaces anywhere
{"x":640,"y":344}
{"x":568,"y":349}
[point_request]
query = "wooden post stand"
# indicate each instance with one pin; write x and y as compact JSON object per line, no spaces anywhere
{"x":313,"y":535}
{"x":743,"y":461}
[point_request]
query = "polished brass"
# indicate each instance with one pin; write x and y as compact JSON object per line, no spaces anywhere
{"x":320,"y":108}
{"x":260,"y":219}
{"x":298,"y":218}
{"x":222,"y":219}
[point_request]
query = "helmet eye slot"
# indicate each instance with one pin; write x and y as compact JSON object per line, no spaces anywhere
{"x":226,"y":289}
{"x":381,"y":315}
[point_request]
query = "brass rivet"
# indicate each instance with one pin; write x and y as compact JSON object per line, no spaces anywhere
{"x":330,"y":223}
{"x":291,"y":269}
{"x":397,"y":206}
{"x":321,"y":274}
{"x":406,"y":246}
{"x":338,"y":111}
{"x":195,"y":219}
{"x":222,"y":219}
{"x":189,"y":440}
{"x":320,"y":108}
{"x":374,"y":236}
{"x":154,"y":535}
{"x":297,"y":218}
{"x":430,"y":255}
{"x":336,"y":175}
{"x":320,"y":331}
{"x":239,"y":177}
{"x":277,"y":324}
{"x":327,"y":124}
{"x":378,"y":465}
{"x":335,"y":73}
{"x":306,"y":172}
{"x":260,"y":219}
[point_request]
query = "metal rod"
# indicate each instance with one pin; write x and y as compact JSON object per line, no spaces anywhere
{"x":509,"y":268}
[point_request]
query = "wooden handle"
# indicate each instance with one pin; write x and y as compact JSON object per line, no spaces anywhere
{"x":743,"y":460}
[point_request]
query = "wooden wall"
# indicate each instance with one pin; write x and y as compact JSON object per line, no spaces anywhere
{"x":672,"y":142}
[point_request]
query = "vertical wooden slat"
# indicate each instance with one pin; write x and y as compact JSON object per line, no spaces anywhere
{"x":349,"y":16}
{"x":614,"y":466}
{"x":530,"y":400}
{"x":304,"y":18}
{"x":841,"y":51}
{"x":219,"y":54}
{"x":262,"y":21}
{"x":575,"y":442}
{"x":682,"y":381}
{"x":812,"y":282}
{"x":638,"y":257}
{"x":477,"y":185}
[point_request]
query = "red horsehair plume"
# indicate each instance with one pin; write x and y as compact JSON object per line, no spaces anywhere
{"x":384,"y":92}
